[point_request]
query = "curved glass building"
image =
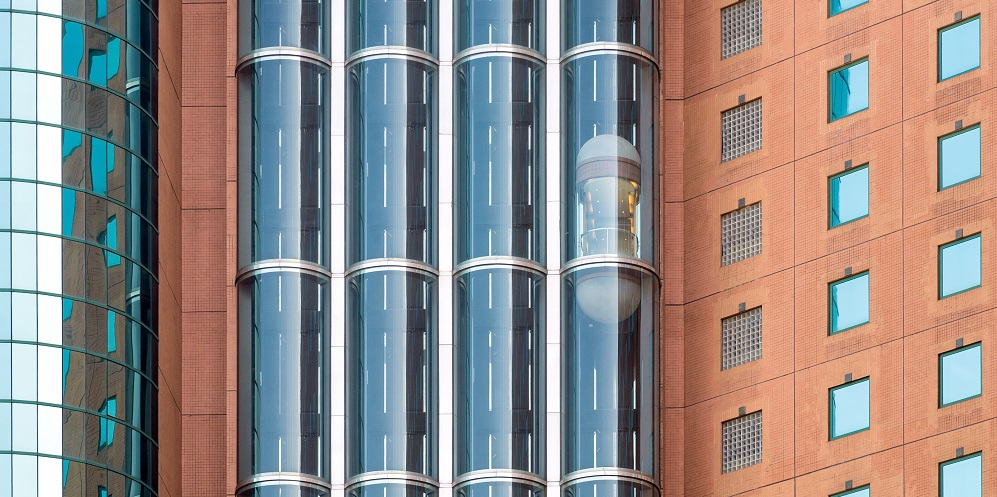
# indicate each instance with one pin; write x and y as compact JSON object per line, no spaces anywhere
{"x":78,"y":248}
{"x":283,"y":258}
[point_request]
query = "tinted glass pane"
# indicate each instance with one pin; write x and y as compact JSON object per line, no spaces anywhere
{"x":849,"y":90}
{"x":849,"y":408}
{"x":961,"y":266}
{"x":961,"y":374}
{"x":516,"y":22}
{"x":959,"y":49}
{"x":959,"y":157}
{"x":858,"y":492}
{"x":963,"y":477}
{"x":283,"y":23}
{"x":839,"y":6}
{"x":849,"y":196}
{"x":624,"y":21}
{"x":378,"y":23}
{"x":849,"y":303}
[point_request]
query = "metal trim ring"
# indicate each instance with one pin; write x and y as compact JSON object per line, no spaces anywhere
{"x":274,"y":265}
{"x":281,"y":53}
{"x":277,"y":477}
{"x":578,"y":263}
{"x":499,"y":49}
{"x":499,"y":261}
{"x":511,"y":475}
{"x":395,"y":52}
{"x":391,"y":264}
{"x":404,"y":477}
{"x":609,"y":474}
{"x":603,"y":48}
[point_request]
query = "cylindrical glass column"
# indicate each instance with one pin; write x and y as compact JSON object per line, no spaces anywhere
{"x":391,"y":373}
{"x":630,"y":22}
{"x":282,"y":23}
{"x":503,"y":22}
{"x":400,"y":24}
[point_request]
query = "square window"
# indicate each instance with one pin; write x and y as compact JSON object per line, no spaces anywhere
{"x":962,"y":477}
{"x":856,"y":492}
{"x":849,"y":408}
{"x":849,"y":192}
{"x":959,"y":157}
{"x":848,"y":89}
{"x":958,"y":48}
{"x":849,"y":302}
{"x":741,"y":130}
{"x":740,"y":27}
{"x":742,"y":442}
{"x":741,"y":338}
{"x":960,"y":266}
{"x":741,"y":234}
{"x":839,"y":6}
{"x":960,"y":374}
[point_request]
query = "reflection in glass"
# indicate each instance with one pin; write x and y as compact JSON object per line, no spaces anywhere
{"x":609,"y":110}
{"x":283,"y":491}
{"x":499,"y":158}
{"x":848,"y":89}
{"x":623,"y":21}
{"x":515,"y":22}
{"x":849,"y":193}
{"x":379,"y":23}
{"x":959,"y":157}
{"x":499,"y":489}
{"x":283,"y":400}
{"x":498,"y":369}
{"x":959,"y":48}
{"x":849,"y":408}
{"x":284,"y":162}
{"x":608,"y":385}
{"x":390,"y":490}
{"x":391,"y":372}
{"x":839,"y":6}
{"x":960,"y":265}
{"x":849,"y":302}
{"x":962,"y":477}
{"x":960,"y":374}
{"x":283,"y":23}
{"x":391,"y":160}
{"x":602,"y":488}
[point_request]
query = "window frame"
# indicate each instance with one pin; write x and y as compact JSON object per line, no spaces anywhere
{"x":830,"y":97}
{"x":941,"y":383}
{"x":941,"y":265}
{"x":830,"y":179}
{"x":831,"y":410}
{"x":831,"y":13}
{"x":830,"y":302}
{"x":941,"y":469}
{"x":853,"y":491}
{"x":950,"y":27}
{"x":941,"y":165}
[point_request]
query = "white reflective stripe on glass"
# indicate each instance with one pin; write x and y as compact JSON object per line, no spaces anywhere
{"x":25,"y":476}
{"x":50,"y":269}
{"x":960,"y":266}
{"x":50,"y":321}
{"x":49,"y":210}
{"x":849,"y":409}
{"x":50,"y":378}
{"x":49,"y":100}
{"x":50,"y":45}
{"x":959,"y":48}
{"x":50,"y":434}
{"x":49,"y":153}
{"x":50,"y":476}
{"x":960,"y":374}
{"x":962,"y":477}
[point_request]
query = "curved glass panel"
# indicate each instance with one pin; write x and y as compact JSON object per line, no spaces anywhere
{"x":499,"y":357}
{"x":283,"y":23}
{"x":617,"y":488}
{"x":609,"y":141}
{"x":391,"y":143}
{"x":623,"y":21}
{"x":609,"y":389}
{"x":283,"y":162}
{"x":514,"y":22}
{"x":391,"y":373}
{"x":499,"y":489}
{"x":283,"y":490}
{"x":381,"y":23}
{"x":283,"y":400}
{"x":499,"y":159}
{"x":390,"y":490}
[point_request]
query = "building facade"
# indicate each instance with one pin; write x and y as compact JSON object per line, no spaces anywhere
{"x":497,"y":248}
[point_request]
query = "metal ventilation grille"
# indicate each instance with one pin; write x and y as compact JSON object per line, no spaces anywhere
{"x":742,"y":442}
{"x":741,"y":130}
{"x":741,"y":338}
{"x":741,"y":27}
{"x":741,"y":234}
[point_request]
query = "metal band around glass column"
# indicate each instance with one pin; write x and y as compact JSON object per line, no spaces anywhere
{"x":404,"y":477}
{"x":610,"y":48}
{"x":389,"y":264}
{"x":599,"y":261}
{"x":277,"y":265}
{"x":276,"y":478}
{"x":497,"y":49}
{"x":498,"y":262}
{"x":503,"y":475}
{"x":281,"y":53}
{"x":617,"y":474}
{"x":393,"y":52}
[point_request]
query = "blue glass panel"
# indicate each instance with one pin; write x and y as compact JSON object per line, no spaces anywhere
{"x":850,"y":408}
{"x":98,"y":67}
{"x":839,"y":6}
{"x":959,"y":157}
{"x":107,"y":425}
{"x":5,"y":40}
{"x":111,"y":240}
{"x":960,"y":266}
{"x":849,"y":303}
{"x":962,"y":477}
{"x":72,"y":48}
{"x":849,"y":196}
{"x":960,"y":374}
{"x":98,"y":165}
{"x":68,"y":212}
{"x":112,"y":343}
{"x":101,"y":9}
{"x":959,"y":48}
{"x":5,"y":205}
{"x":849,"y":89}
{"x":113,"y":57}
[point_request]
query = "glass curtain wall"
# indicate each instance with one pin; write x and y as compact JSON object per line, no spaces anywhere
{"x":391,"y":249}
{"x":499,"y":249}
{"x":78,"y":249}
{"x":609,"y":283}
{"x":283,"y":273}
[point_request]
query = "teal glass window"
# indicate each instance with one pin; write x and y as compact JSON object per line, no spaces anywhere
{"x":848,"y":89}
{"x":960,"y":266}
{"x":855,"y":492}
{"x":960,"y":374}
{"x":849,"y":408}
{"x":106,"y":425}
{"x":849,"y":196}
{"x":72,"y":48}
{"x":959,"y":157}
{"x":849,"y":302}
{"x":962,"y":477}
{"x":959,"y":48}
{"x":839,"y":6}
